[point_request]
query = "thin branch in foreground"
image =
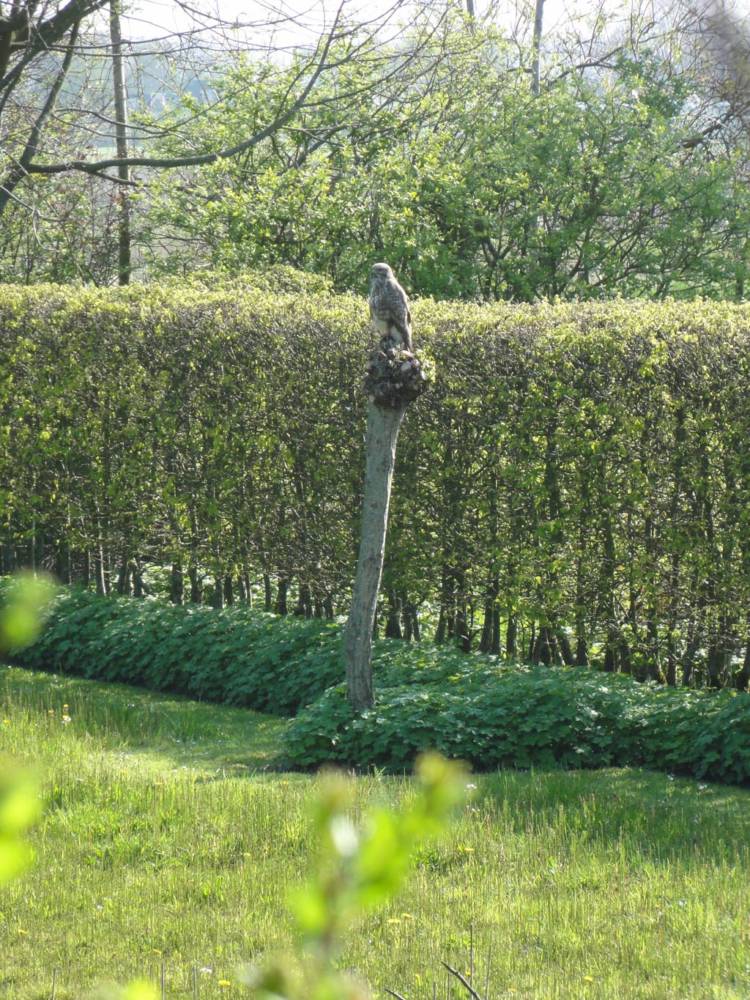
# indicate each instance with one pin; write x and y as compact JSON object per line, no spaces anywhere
{"x":463,"y":980}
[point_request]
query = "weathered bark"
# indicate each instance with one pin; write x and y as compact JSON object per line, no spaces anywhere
{"x":121,"y":139}
{"x":383,"y":424}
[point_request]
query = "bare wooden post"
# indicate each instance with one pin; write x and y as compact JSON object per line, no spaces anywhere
{"x":394,"y":378}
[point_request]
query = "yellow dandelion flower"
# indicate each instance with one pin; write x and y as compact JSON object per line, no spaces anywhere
{"x":224,"y":983}
{"x":588,"y":979}
{"x":22,"y":930}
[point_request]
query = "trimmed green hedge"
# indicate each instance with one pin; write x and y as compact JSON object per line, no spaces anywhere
{"x":575,"y":486}
{"x":476,"y":708}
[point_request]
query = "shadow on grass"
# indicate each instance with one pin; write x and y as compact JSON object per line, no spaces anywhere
{"x":174,"y":730}
{"x":663,"y":817}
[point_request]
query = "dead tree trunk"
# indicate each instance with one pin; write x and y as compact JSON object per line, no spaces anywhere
{"x":394,"y":379}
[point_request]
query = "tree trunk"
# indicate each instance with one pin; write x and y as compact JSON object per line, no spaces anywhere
{"x":121,"y":139}
{"x":491,"y":626}
{"x":393,"y":617}
{"x":742,"y":678}
{"x":176,"y":584}
{"x":511,"y":637}
{"x":304,"y":607}
{"x":139,"y":588}
{"x":281,"y":597}
{"x":383,"y":424}
{"x":411,"y":619}
{"x":445,"y":618}
{"x":536,"y":48}
{"x":196,"y":585}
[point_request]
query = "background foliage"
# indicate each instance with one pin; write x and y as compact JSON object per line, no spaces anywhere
{"x":471,"y":185}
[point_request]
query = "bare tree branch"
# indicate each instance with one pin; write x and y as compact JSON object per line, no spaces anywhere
{"x":32,"y":145}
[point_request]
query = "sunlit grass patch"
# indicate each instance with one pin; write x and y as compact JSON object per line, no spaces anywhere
{"x":169,"y":839}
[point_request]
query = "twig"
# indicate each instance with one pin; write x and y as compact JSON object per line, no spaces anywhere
{"x":394,"y":994}
{"x":471,"y":953}
{"x":463,"y":980}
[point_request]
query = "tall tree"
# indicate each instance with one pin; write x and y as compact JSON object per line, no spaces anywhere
{"x":32,"y":81}
{"x":121,"y":137}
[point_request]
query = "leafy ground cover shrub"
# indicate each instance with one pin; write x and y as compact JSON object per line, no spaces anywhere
{"x":238,"y":656}
{"x":532,"y":717}
{"x":476,"y":708}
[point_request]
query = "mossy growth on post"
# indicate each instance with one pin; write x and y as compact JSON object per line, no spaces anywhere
{"x":394,"y":379}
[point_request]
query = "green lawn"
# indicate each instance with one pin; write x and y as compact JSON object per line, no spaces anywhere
{"x":168,"y":837}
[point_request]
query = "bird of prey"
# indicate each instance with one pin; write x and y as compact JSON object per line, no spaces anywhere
{"x":389,"y":307}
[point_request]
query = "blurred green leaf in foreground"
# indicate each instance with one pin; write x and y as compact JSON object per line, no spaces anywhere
{"x":24,"y":599}
{"x":22,"y":604}
{"x":357,"y":871}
